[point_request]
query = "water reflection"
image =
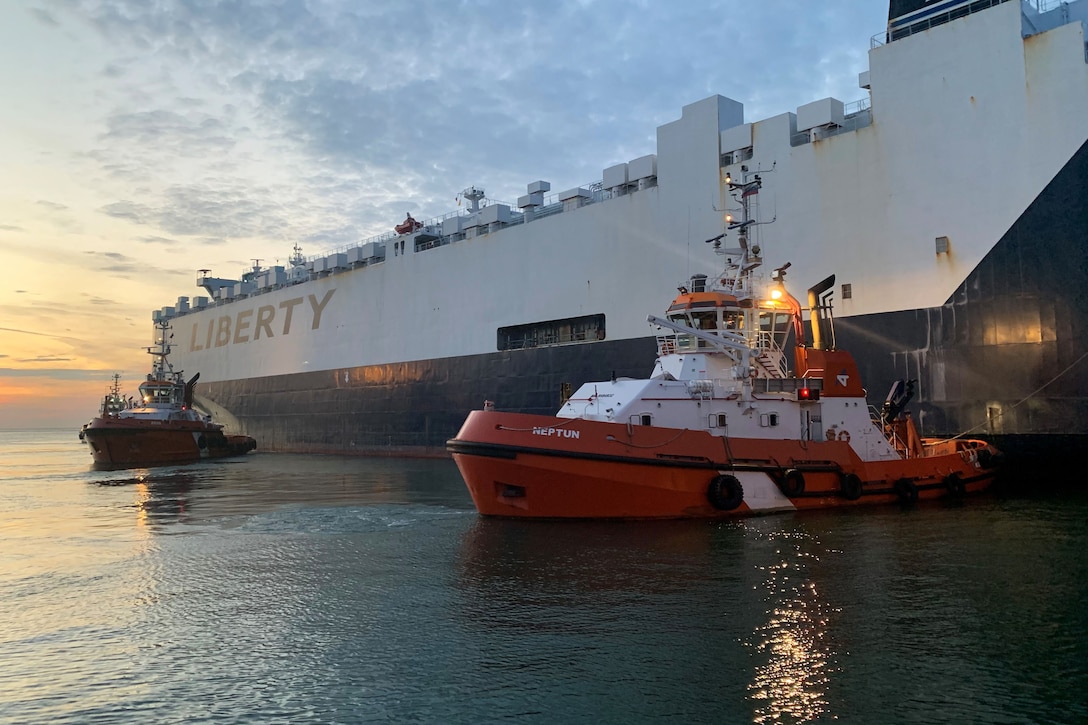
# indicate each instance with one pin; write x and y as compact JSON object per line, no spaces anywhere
{"x":165,"y":499}
{"x":790,"y":683}
{"x":242,"y":487}
{"x":738,"y":603}
{"x":522,"y":559}
{"x":160,"y":495}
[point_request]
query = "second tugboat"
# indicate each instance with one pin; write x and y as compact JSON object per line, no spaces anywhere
{"x":723,"y":426}
{"x":163,"y":428}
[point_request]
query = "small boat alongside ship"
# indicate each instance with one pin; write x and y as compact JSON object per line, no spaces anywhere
{"x":741,"y":415}
{"x":163,"y":427}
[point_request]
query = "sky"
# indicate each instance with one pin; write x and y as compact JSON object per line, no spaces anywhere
{"x":143,"y":140}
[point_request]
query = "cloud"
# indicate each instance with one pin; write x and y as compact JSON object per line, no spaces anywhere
{"x":123,"y":264}
{"x":99,"y":301}
{"x":55,"y":373}
{"x":158,"y":240}
{"x":43,"y":359}
{"x":192,"y":134}
{"x":392,"y":101}
{"x":39,"y":334}
{"x":44,"y":17}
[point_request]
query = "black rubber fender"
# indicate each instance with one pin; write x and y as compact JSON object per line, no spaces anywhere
{"x":201,"y":442}
{"x":725,"y":492}
{"x":792,"y":483}
{"x":955,"y":485}
{"x":906,"y":491}
{"x":850,"y":487}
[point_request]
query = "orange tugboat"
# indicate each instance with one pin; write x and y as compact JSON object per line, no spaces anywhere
{"x":742,"y":415}
{"x":162,"y":428}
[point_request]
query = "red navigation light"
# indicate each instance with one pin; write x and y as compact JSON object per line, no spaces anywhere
{"x":808,"y":394}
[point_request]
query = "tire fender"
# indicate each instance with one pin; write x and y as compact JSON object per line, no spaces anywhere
{"x":850,"y":487}
{"x":906,"y":491}
{"x":792,"y":483}
{"x":725,"y":492}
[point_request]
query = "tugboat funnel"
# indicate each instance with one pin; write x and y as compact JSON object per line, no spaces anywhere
{"x":820,"y":317}
{"x":189,"y":386}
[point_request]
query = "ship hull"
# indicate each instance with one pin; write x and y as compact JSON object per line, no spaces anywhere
{"x":410,"y":408}
{"x":128,"y":443}
{"x":414,"y":408}
{"x":546,"y":467}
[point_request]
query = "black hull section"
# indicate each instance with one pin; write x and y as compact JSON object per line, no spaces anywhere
{"x":1006,"y":358}
{"x":411,"y":408}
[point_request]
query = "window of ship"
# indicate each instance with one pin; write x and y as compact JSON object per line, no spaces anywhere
{"x":153,"y":393}
{"x":683,"y":341}
{"x":730,"y":320}
{"x":705,"y":320}
{"x":589,"y":328}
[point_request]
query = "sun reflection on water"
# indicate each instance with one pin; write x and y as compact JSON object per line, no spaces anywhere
{"x":790,"y":684}
{"x":143,"y":496}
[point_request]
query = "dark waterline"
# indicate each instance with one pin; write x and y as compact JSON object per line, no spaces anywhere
{"x":289,"y":588}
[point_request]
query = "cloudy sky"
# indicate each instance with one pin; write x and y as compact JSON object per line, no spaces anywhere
{"x":141,"y":141}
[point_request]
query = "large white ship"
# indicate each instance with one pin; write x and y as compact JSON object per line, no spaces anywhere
{"x":950,"y":203}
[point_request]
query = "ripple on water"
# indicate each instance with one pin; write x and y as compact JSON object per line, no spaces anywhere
{"x":298,"y":589}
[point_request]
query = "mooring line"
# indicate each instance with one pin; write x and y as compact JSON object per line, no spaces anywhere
{"x":1025,"y":399}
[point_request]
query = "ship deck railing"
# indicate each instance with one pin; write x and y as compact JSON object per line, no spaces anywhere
{"x":1040,"y":7}
{"x":552,"y":205}
{"x":428,"y":237}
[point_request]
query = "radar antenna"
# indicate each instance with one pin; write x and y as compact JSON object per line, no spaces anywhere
{"x":297,"y":260}
{"x":474,"y":195}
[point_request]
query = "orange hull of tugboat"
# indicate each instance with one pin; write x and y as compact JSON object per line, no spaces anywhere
{"x":127,"y":442}
{"x":518,"y":465}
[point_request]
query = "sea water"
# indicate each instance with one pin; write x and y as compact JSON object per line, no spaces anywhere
{"x":281,"y":588}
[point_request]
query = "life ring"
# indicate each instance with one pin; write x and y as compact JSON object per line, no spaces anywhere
{"x":844,"y":436}
{"x":793,"y":483}
{"x":955,"y":485}
{"x":906,"y":490}
{"x":725,"y":492}
{"x":850,"y":487}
